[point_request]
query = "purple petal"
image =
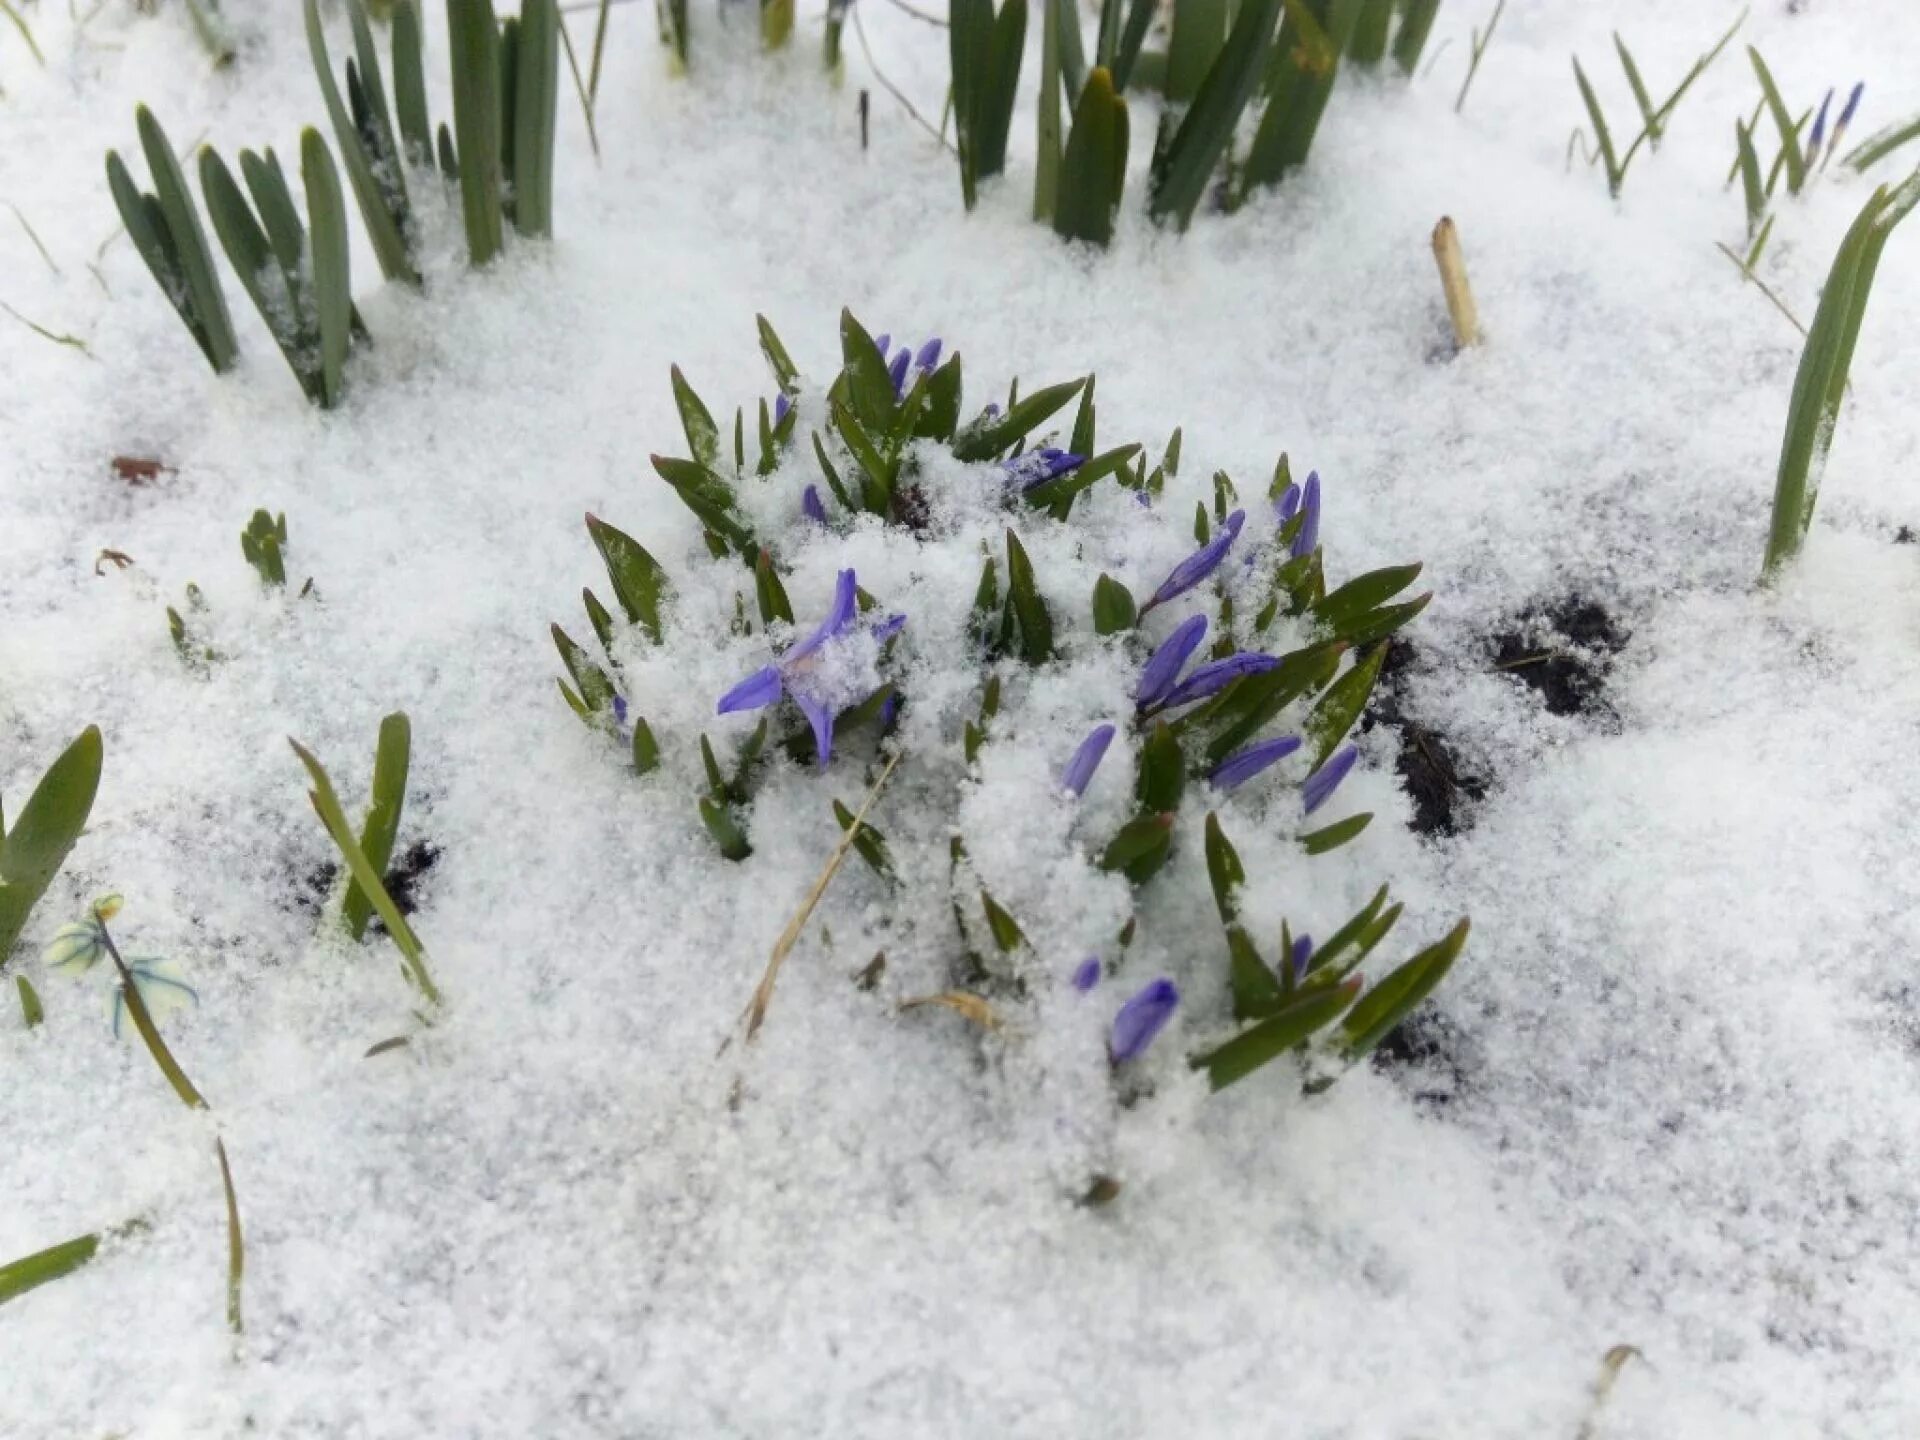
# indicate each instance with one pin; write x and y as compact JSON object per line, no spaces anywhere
{"x":993,"y":409}
{"x":1318,"y":787}
{"x":810,"y":505}
{"x":1141,"y":1019}
{"x":1819,"y":131}
{"x":1211,"y":679}
{"x":759,"y":689}
{"x":1165,"y":665}
{"x":1036,"y":467}
{"x":1288,"y":505}
{"x":883,"y":342}
{"x":1086,"y":974}
{"x":620,"y":710}
{"x":1243,"y":765}
{"x":888,"y":628}
{"x":928,"y":358}
{"x":897,"y":371}
{"x":1309,"y":537}
{"x":838,"y":618}
{"x":1302,"y":953}
{"x":1086,"y":760}
{"x":1853,"y":104}
{"x":782,"y":407}
{"x":1199,"y":565}
{"x":821,"y":718}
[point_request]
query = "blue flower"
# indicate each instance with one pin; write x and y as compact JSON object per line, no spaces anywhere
{"x":791,"y":674}
{"x":897,"y":371}
{"x":1302,"y":953}
{"x":1036,"y":467}
{"x":928,"y":358}
{"x":1086,"y":760}
{"x":1243,"y":765}
{"x":782,"y":407}
{"x":1318,"y":787}
{"x":1086,"y":974}
{"x":1141,"y":1019}
{"x":1199,"y":565}
{"x":1819,"y":131}
{"x":1163,"y":668}
{"x":160,"y":985}
{"x":1308,"y":540}
{"x":1846,"y":114}
{"x":1212,"y":678}
{"x":810,"y":505}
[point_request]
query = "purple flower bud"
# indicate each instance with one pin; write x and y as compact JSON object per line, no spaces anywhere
{"x":897,"y":371}
{"x":1199,"y":565}
{"x":620,"y":710}
{"x":1288,"y":505}
{"x":889,"y":709}
{"x":1819,"y":131}
{"x":1212,"y":678}
{"x":1309,"y":537}
{"x":1165,"y":665}
{"x":1853,"y":104}
{"x":1302,"y":953}
{"x":782,"y":407}
{"x":1141,"y":1019}
{"x":883,"y":342}
{"x":928,"y":358}
{"x":1036,"y":467}
{"x":1086,"y":974}
{"x":886,"y":629}
{"x":810,"y":505}
{"x":1142,"y":499}
{"x":1086,"y":760}
{"x":1318,"y":787}
{"x":993,"y":409}
{"x":1243,"y":765}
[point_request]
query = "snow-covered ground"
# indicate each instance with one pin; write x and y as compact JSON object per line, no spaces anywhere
{"x":1676,"y":1080}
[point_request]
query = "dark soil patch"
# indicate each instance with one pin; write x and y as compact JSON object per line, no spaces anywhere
{"x":1426,"y":764}
{"x":1425,"y":1053}
{"x":1564,"y":652}
{"x":404,"y":881}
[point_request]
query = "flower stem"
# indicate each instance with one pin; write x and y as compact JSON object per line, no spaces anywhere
{"x":149,"y":1032}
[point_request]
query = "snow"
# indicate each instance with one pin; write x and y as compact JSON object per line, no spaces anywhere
{"x":1683,"y":1028}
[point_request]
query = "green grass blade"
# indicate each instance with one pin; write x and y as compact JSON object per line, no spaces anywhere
{"x":387,"y":169}
{"x":30,"y":1272}
{"x":1292,"y":1025}
{"x":1415,"y":26}
{"x":262,"y":271}
{"x":1616,"y":173}
{"x":1882,"y":143}
{"x":384,"y":230}
{"x":1649,"y":116}
{"x":994,"y":121}
{"x":1127,"y":54}
{"x":391,"y":760}
{"x":1187,"y":167}
{"x":189,"y":242}
{"x":1095,"y":164}
{"x":236,"y":1245}
{"x":44,"y":832}
{"x":537,"y":82}
{"x":1199,"y":32}
{"x":474,"y":40}
{"x":639,"y":583}
{"x":146,"y":226}
{"x":326,"y":805}
{"x":1750,"y":182}
{"x":1368,"y":45}
{"x":969,"y":52}
{"x":267,"y":183}
{"x":1305,"y":65}
{"x":410,"y":84}
{"x":1790,"y":148}
{"x":1339,"y":707}
{"x":1388,"y":1003}
{"x":332,"y":281}
{"x":1046,"y":168}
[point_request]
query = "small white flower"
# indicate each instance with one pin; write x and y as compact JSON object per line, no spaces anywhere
{"x":76,"y":948}
{"x":161,"y":986}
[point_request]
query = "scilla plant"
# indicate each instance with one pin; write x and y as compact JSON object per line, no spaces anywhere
{"x":1078,"y":697}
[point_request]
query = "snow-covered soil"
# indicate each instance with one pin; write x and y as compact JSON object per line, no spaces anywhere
{"x":1666,"y":1099}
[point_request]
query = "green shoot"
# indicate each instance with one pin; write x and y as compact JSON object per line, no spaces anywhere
{"x":1476,"y":49}
{"x":44,"y":832}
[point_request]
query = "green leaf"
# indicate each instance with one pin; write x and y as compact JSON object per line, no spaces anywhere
{"x":768,"y":590}
{"x":44,"y":832}
{"x":1093,"y":171}
{"x":327,"y":806}
{"x":1366,"y":929}
{"x":1253,"y":700}
{"x":332,"y":292}
{"x":1141,"y":847}
{"x":726,"y":833}
{"x":30,"y":1272}
{"x":708,"y":496}
{"x":646,"y":750}
{"x":1791,"y":151}
{"x":1184,"y":171}
{"x":1882,"y":143}
{"x":1377,"y":625}
{"x":262,"y":274}
{"x":601,"y":619}
{"x":1339,"y":707}
{"x":1293,"y":1025}
{"x":267,"y":184}
{"x":994,"y":117}
{"x":31,"y":1011}
{"x":1113,"y":607}
{"x":638,"y":581}
{"x":1616,"y":173}
{"x":1368,"y":44}
{"x":1389,"y":1002}
{"x":1750,"y":183}
{"x":1194,"y":43}
{"x":1415,"y":25}
{"x":1036,"y":625}
{"x":1649,"y":116}
{"x":1255,"y":990}
{"x":537,"y":82}
{"x":1163,"y":771}
{"x":1046,"y":170}
{"x":1332,"y":837}
{"x":988,"y":440}
{"x":1127,"y":52}
{"x":1363,"y":593}
{"x":1004,"y":928}
{"x":596,"y":689}
{"x":390,"y":764}
{"x":1224,"y":869}
{"x":410,"y":84}
{"x":474,"y":42}
{"x":1057,"y":494}
{"x":703,"y":435}
{"x":941,"y":413}
{"x":869,"y":843}
{"x":831,"y":475}
{"x":869,"y":389}
{"x":785,"y":374}
{"x":146,"y":227}
{"x":386,"y":229}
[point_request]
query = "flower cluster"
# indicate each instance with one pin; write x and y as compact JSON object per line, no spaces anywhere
{"x":1248,"y":672}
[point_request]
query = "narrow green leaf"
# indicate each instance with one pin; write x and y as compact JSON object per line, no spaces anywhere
{"x":185,"y":245}
{"x":1163,"y":771}
{"x":1790,"y":148}
{"x":1602,"y":136}
{"x":703,"y":435}
{"x":1368,"y":44}
{"x":1095,"y":164}
{"x":385,"y":229}
{"x":988,"y":439}
{"x":537,"y":81}
{"x":1036,"y":625}
{"x":410,"y":84}
{"x":1140,"y":848}
{"x":1224,"y":869}
{"x":1389,"y":1002}
{"x":31,"y":1011}
{"x":332,"y":284}
{"x":1186,"y":169}
{"x":726,"y":832}
{"x":638,"y":582}
{"x":1113,"y":607}
{"x":1004,"y":928}
{"x":785,"y":374}
{"x":474,"y":44}
{"x":1339,"y":707}
{"x":1415,"y":25}
{"x":1332,"y":837}
{"x":1756,"y":195}
{"x":596,"y":689}
{"x":869,"y":844}
{"x":771,"y":594}
{"x":391,"y":760}
{"x":1195,"y":41}
{"x":44,"y":832}
{"x":1294,"y":1024}
{"x":1649,"y":116}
